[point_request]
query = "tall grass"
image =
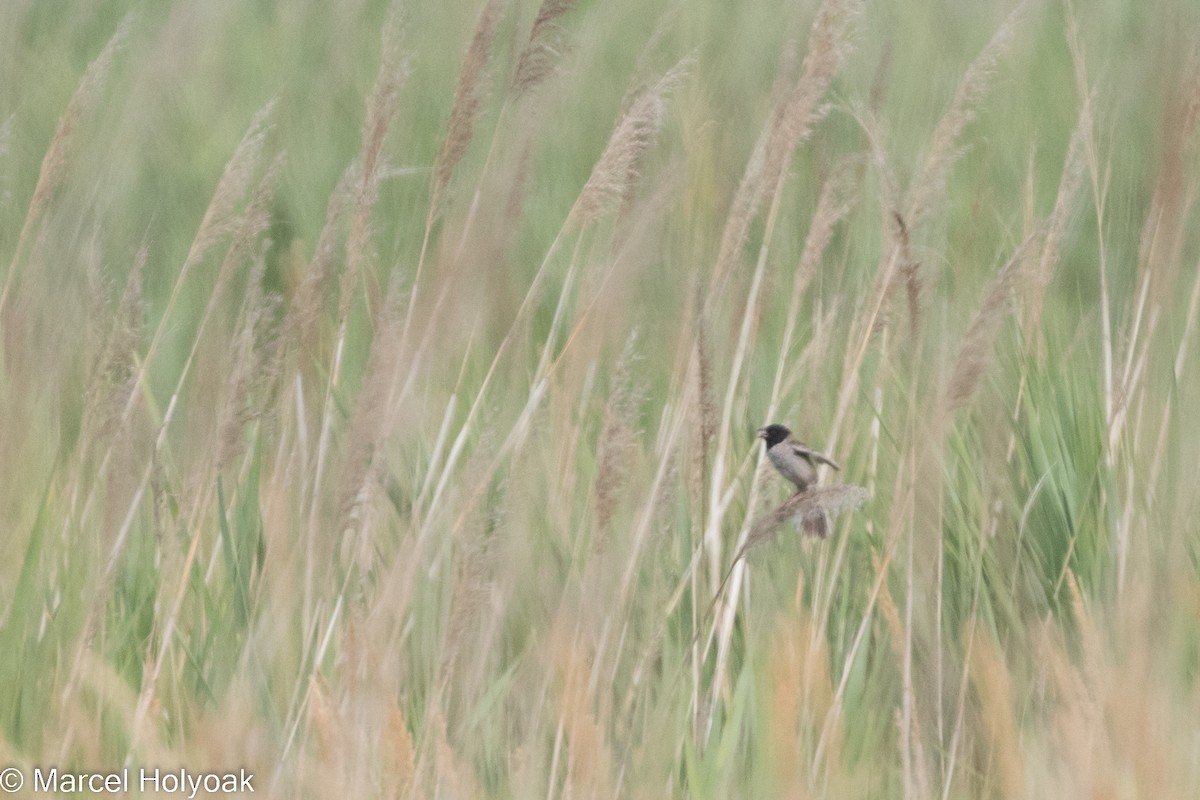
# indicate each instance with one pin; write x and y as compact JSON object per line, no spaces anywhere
{"x":378,"y":397}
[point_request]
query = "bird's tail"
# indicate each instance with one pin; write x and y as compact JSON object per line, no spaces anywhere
{"x":816,"y":524}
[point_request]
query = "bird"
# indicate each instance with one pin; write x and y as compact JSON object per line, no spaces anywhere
{"x":797,"y":462}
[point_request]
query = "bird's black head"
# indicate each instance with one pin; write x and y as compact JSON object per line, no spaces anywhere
{"x":773,"y":434}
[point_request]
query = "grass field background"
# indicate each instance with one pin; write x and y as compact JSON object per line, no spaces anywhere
{"x":378,"y":389}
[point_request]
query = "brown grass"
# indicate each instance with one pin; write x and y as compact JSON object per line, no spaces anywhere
{"x":111,"y":380}
{"x":1163,"y":234}
{"x":304,"y":310}
{"x":833,"y":204}
{"x":58,"y":153}
{"x":251,"y":379}
{"x":473,"y":80}
{"x":792,"y":119}
{"x":800,"y":109}
{"x":397,"y":754}
{"x":704,"y":418}
{"x":616,"y":172}
{"x":993,"y":683}
{"x":977,"y":348}
{"x":910,"y":273}
{"x":381,"y":110}
{"x":221,"y":218}
{"x":944,"y":150}
{"x":1058,"y":223}
{"x":368,"y":426}
{"x":618,"y":436}
{"x":589,"y":761}
{"x":544,"y":49}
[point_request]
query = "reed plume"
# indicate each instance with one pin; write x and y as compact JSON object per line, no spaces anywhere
{"x":473,"y":80}
{"x":796,"y":112}
{"x":54,"y":162}
{"x":544,"y":49}
{"x":617,"y":439}
{"x":930,"y":181}
{"x":616,"y":171}
{"x":976,"y":351}
{"x":811,"y":504}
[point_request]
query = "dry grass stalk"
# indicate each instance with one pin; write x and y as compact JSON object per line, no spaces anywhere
{"x":704,"y":378}
{"x":97,"y":302}
{"x":976,"y":351}
{"x":786,"y":665}
{"x":112,"y":376}
{"x":807,"y":505}
{"x":235,"y":410}
{"x":803,"y":506}
{"x":367,"y":427}
{"x":1056,"y":227}
{"x":324,"y":720}
{"x":472,"y":589}
{"x":249,"y":229}
{"x":54,"y":163}
{"x":304,"y":310}
{"x":1081,"y":156}
{"x":381,"y":109}
{"x":1162,"y":239}
{"x":992,"y":680}
{"x":795,"y":114}
{"x":618,"y":440}
{"x":833,"y":204}
{"x":454,"y":778}
{"x":472,"y":87}
{"x":589,"y":758}
{"x":1193,"y":313}
{"x":744,"y":206}
{"x":908,"y":720}
{"x":1078,"y":716}
{"x":253,"y":369}
{"x":544,"y":49}
{"x":397,"y":754}
{"x":613,"y":178}
{"x":6,"y":129}
{"x":704,"y":406}
{"x":881,"y":78}
{"x":393,"y":71}
{"x":668,"y":446}
{"x":828,"y":46}
{"x":910,"y":273}
{"x":104,"y":428}
{"x":359,"y":254}
{"x":643,"y":71}
{"x":891,"y":258}
{"x":930,"y":182}
{"x":1093,"y":649}
{"x":232,"y":186}
{"x":359,"y":250}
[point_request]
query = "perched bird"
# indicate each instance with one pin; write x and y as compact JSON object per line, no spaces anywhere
{"x":797,"y":462}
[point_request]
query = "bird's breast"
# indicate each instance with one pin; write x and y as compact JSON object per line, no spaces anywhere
{"x":791,"y":466}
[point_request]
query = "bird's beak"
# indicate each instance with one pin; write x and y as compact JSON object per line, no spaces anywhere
{"x":762,"y":433}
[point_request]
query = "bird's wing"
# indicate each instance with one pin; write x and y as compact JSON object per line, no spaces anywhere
{"x":810,"y":455}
